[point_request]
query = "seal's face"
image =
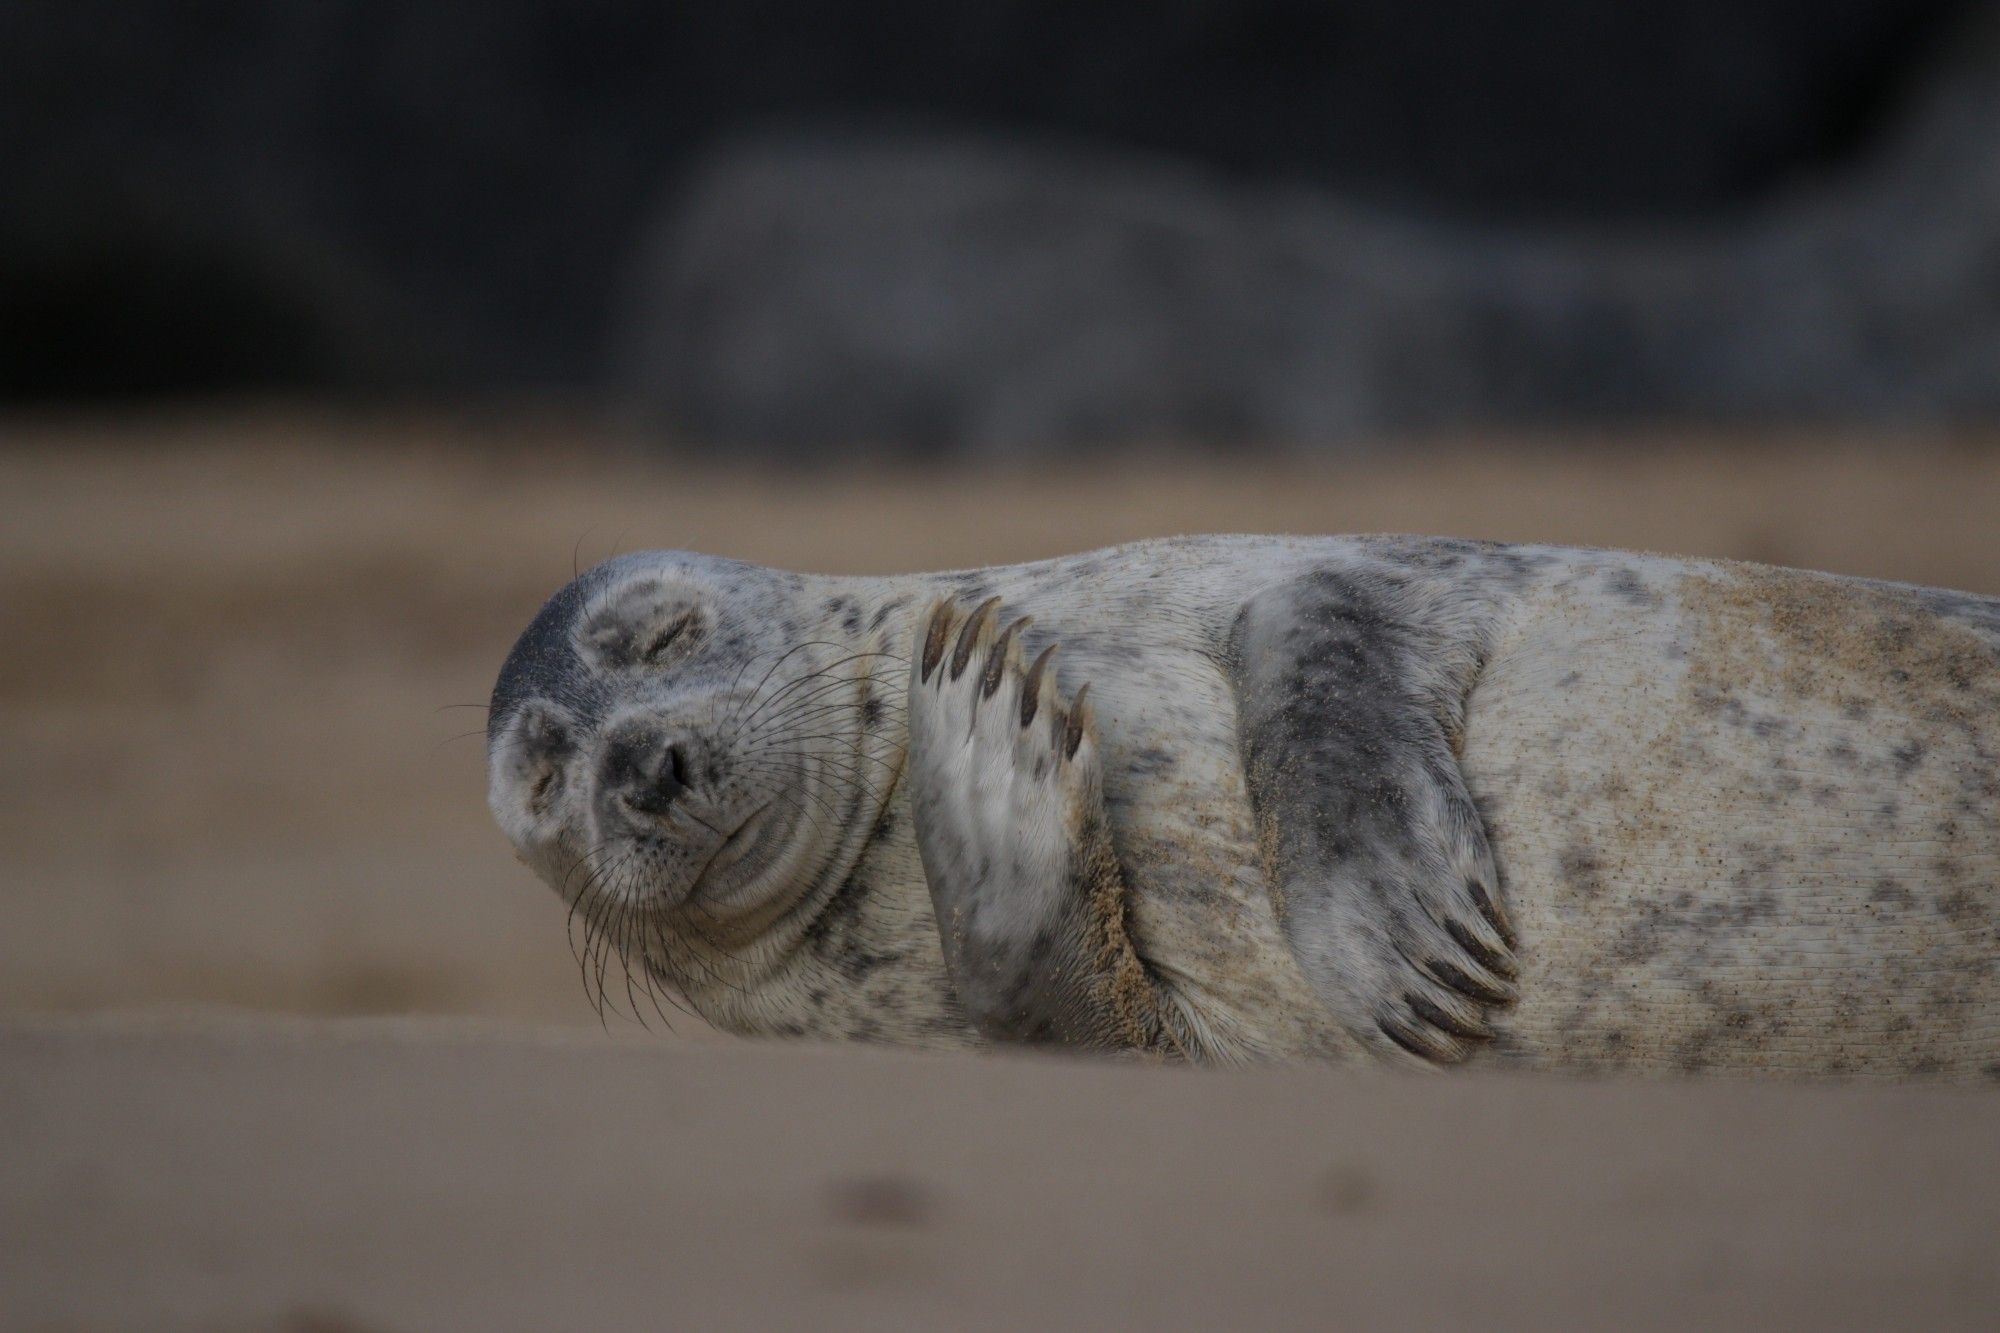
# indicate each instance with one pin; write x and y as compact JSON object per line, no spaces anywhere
{"x":672,"y":741}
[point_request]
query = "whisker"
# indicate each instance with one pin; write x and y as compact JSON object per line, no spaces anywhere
{"x":824,"y":673}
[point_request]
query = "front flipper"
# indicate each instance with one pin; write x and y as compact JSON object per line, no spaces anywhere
{"x":1030,"y":898}
{"x":1346,"y":684}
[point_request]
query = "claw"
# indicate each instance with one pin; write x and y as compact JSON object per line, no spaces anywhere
{"x":1497,"y":963}
{"x":981,"y":616}
{"x":1031,"y":691}
{"x":1439,"y":1017}
{"x":1079,"y":719}
{"x":1477,"y":988}
{"x":934,"y":637}
{"x":996,"y":661}
{"x":1489,"y":907}
{"x":1430,"y":1047}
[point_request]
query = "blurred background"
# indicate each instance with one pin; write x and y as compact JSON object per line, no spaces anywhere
{"x":334,"y":335}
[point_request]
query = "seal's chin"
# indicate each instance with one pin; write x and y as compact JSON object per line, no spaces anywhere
{"x":751,"y":863}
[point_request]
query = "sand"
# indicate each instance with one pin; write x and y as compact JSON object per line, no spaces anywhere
{"x":365,"y":1176}
{"x":239,"y":700}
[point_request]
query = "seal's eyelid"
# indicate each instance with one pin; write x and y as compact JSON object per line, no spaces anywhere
{"x":665,"y":638}
{"x":539,"y":745}
{"x":542,"y":731}
{"x":642,"y":625}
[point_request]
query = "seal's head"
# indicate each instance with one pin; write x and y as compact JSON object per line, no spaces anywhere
{"x":690,"y":743}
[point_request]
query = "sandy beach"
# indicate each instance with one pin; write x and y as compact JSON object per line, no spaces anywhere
{"x":373,"y":1176}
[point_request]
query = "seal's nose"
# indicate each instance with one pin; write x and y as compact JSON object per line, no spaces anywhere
{"x":647,"y":774}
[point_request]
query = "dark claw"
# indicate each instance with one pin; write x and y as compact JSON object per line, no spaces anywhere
{"x":969,"y":635}
{"x":1438,"y":1018}
{"x":1491,"y":911}
{"x":1491,"y":961}
{"x":996,"y":661}
{"x":1472,"y":987}
{"x":1032,"y":692}
{"x":1073,"y":729}
{"x":934,"y":638}
{"x":1395,"y":1031}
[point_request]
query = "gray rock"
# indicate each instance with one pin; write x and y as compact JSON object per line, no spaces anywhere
{"x":381,"y":197}
{"x":987,"y":298}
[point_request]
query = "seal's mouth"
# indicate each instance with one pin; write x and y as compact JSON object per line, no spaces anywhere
{"x":731,"y":850}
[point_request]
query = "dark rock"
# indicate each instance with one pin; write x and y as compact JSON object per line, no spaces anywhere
{"x":978,"y":297}
{"x":446,"y":194}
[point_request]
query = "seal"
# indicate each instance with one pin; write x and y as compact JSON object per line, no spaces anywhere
{"x":1243,"y":798}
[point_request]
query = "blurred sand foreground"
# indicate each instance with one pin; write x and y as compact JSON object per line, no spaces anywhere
{"x":375,"y":1177}
{"x":238,"y":775}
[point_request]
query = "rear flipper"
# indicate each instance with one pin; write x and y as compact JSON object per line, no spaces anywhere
{"x":1346,"y":684}
{"x":1030,"y":898}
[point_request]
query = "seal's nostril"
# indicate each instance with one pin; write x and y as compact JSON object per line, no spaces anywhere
{"x":673,"y":778}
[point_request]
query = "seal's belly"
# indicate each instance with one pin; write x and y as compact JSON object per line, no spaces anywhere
{"x":1753,"y":824}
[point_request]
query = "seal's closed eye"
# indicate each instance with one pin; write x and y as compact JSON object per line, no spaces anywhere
{"x":663,"y":641}
{"x":649,"y":623}
{"x":545,"y":747}
{"x":532,"y":759}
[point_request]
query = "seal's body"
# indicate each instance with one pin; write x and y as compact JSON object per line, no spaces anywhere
{"x":1426,"y":799}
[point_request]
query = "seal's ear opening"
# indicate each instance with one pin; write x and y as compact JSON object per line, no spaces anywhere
{"x":528,"y":770}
